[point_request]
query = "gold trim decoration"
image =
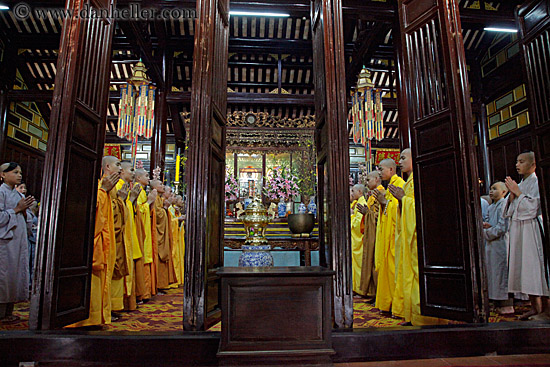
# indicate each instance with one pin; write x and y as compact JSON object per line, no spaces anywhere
{"x":264,"y":119}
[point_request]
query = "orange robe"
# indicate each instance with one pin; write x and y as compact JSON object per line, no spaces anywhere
{"x":102,"y":263}
{"x":162,"y":235}
{"x":369,"y":276}
{"x":176,"y":244}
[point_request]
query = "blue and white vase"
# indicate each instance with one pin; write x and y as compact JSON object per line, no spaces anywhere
{"x":281,"y":209}
{"x":302,"y":209}
{"x":247,"y":202}
{"x":256,"y":256}
{"x":312,"y":207}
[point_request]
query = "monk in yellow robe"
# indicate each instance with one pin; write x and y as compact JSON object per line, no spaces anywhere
{"x":357,"y":192}
{"x":131,"y":244}
{"x":385,"y":249}
{"x":120,"y":217}
{"x":176,"y":241}
{"x":181,"y":219}
{"x":145,"y":290}
{"x":162,"y":236}
{"x":369,"y":276}
{"x":103,"y":261}
{"x":407,"y":272}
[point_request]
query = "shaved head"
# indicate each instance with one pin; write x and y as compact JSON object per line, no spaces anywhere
{"x":357,"y":191}
{"x":360,"y":188}
{"x":500,"y":185}
{"x":107,"y":160}
{"x":529,"y":156}
{"x":373,"y":180}
{"x":388,"y":162}
{"x":405,"y":161}
{"x":127,"y":174}
{"x":526,"y":164}
{"x":387,"y":168}
{"x":155,"y":184}
{"x":110,"y":165}
{"x":142,"y":177}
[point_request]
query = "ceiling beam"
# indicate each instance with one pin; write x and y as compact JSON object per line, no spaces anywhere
{"x":264,"y":99}
{"x":145,"y":48}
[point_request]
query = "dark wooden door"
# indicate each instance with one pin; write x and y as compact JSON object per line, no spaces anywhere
{"x":61,"y":292}
{"x":31,"y":161}
{"x":205,"y":203}
{"x":534,"y":20}
{"x":445,"y":171}
{"x":331,"y":138}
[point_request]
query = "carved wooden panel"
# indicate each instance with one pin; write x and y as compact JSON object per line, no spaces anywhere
{"x":72,"y":168}
{"x":438,"y":105}
{"x":333,"y":152}
{"x":534,"y":19}
{"x":32,"y":164}
{"x":204,"y":231}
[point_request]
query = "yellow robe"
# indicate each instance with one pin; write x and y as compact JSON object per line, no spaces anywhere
{"x":143,"y":226}
{"x":133,"y":252}
{"x":102,"y":263}
{"x":121,"y":270}
{"x":176,"y":248}
{"x":182,"y":252}
{"x":357,"y":244}
{"x":384,"y":252}
{"x":165,"y":268}
{"x":407,"y":272}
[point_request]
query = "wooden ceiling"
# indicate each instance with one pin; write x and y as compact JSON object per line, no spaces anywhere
{"x":270,"y":58}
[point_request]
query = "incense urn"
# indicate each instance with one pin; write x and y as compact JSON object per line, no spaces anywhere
{"x":256,"y":250}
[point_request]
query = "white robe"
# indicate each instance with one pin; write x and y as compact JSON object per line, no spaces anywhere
{"x":14,"y":256}
{"x":496,"y":251}
{"x":527,"y":272}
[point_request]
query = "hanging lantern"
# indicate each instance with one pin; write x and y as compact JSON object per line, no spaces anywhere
{"x":366,"y":113}
{"x":136,"y":108}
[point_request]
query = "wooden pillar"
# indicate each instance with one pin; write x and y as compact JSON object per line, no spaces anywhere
{"x":7,"y":78}
{"x":333,"y":152}
{"x":158,"y":143}
{"x":400,"y":77}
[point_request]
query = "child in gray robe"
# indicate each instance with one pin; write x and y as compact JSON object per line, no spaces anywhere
{"x":14,"y":258}
{"x":495,"y":233}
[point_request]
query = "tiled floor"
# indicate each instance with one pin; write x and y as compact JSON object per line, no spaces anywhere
{"x":523,"y":360}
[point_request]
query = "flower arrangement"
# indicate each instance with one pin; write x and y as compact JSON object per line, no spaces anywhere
{"x":305,"y":169}
{"x":280,"y":183}
{"x":231,"y":187}
{"x":364,"y":170}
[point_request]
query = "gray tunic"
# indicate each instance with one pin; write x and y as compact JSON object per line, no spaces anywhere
{"x":527,"y":273}
{"x":14,"y":257}
{"x":496,"y":251}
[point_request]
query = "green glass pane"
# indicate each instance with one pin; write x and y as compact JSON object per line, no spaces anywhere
{"x":495,"y":119}
{"x":503,"y":101}
{"x":507,"y":127}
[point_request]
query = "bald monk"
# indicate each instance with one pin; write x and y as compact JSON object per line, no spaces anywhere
{"x":162,"y":236}
{"x":131,"y":244}
{"x":145,"y":238}
{"x":369,"y":277}
{"x":385,"y":250}
{"x":120,"y":217}
{"x":174,"y":214}
{"x":181,"y":219}
{"x":169,"y":198}
{"x":407,"y":271}
{"x":357,"y":194}
{"x":528,"y":272}
{"x":103,"y":261}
